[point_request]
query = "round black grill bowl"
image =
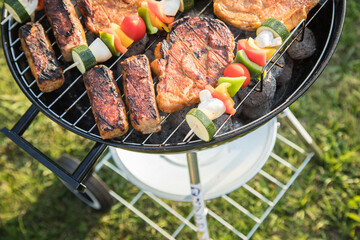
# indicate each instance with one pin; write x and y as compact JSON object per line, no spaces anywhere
{"x":69,"y":106}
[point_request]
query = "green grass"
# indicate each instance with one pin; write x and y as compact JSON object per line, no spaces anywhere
{"x":323,"y":203}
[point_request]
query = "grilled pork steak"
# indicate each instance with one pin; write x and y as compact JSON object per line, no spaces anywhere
{"x":196,"y":53}
{"x":65,"y":23}
{"x":99,"y":14}
{"x":41,"y":57}
{"x":140,"y":94}
{"x":106,"y":102}
{"x":248,"y":15}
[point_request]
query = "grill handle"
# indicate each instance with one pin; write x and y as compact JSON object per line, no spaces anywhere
{"x":74,"y":179}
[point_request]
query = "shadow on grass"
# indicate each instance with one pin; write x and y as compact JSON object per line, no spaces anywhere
{"x":57,"y":214}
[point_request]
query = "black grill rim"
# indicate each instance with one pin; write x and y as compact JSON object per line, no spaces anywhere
{"x":338,"y":18}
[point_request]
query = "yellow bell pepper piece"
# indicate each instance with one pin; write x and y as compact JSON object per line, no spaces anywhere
{"x":269,"y":51}
{"x":125,"y":40}
{"x":223,"y":89}
{"x":156,"y":22}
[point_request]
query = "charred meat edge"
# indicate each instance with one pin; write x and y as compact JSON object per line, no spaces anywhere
{"x":140,"y":94}
{"x":106,"y":102}
{"x":41,"y":57}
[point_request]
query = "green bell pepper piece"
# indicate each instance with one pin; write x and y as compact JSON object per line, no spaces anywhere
{"x":254,"y":69}
{"x":145,"y":15}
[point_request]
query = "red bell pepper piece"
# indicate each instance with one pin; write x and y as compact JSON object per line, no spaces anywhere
{"x":222,"y":94}
{"x":257,"y":56}
{"x":117,"y":40}
{"x":156,"y":8}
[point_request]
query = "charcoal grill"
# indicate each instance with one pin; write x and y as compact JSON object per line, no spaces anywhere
{"x":69,"y":106}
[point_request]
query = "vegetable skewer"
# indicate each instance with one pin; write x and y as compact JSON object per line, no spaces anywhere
{"x":20,"y":10}
{"x":87,"y":57}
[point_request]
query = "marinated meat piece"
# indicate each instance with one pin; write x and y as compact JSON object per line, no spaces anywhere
{"x":105,"y":98}
{"x":67,"y":28}
{"x":248,"y":15}
{"x":95,"y":15}
{"x":140,"y":94}
{"x":99,"y":14}
{"x":41,"y":57}
{"x":196,"y":53}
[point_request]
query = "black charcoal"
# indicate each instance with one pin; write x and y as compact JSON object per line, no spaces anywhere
{"x":257,"y":103}
{"x":304,"y":49}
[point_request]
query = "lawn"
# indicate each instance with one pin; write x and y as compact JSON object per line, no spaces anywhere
{"x":324,"y":203}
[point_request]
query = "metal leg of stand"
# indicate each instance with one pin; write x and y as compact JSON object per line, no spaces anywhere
{"x":302,"y":133}
{"x":197,"y":197}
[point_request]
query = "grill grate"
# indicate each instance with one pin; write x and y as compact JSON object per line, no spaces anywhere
{"x":70,"y":106}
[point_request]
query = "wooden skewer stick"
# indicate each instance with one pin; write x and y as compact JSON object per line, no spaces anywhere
{"x":71,"y":66}
{"x":189,"y":133}
{"x":8,"y":17}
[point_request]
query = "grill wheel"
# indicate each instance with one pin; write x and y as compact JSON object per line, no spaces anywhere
{"x":96,"y":194}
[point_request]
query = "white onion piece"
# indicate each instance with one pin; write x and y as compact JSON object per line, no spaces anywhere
{"x":100,"y":51}
{"x":30,"y":5}
{"x":264,"y":39}
{"x":276,"y":42}
{"x":213,"y":108}
{"x":205,"y":95}
{"x":170,"y":7}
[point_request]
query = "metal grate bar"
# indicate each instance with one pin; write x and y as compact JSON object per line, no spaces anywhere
{"x":272,"y":179}
{"x":14,"y":42}
{"x":172,"y":211}
{"x":141,"y":215}
{"x":19,"y":56}
{"x":283,"y":161}
{"x":241,"y":208}
{"x":291,"y":144}
{"x":62,"y":112}
{"x":182,"y":225}
{"x":258,"y":195}
{"x":226,"y":224}
{"x":282,"y":192}
{"x":137,"y":197}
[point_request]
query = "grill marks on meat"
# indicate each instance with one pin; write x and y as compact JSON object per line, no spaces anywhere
{"x":140,"y":94}
{"x":106,"y":102}
{"x":248,"y":15}
{"x":67,"y":28}
{"x":41,"y":57}
{"x":196,"y":52}
{"x":99,"y":14}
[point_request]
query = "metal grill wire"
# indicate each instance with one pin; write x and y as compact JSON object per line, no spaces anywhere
{"x":81,"y":100}
{"x":242,"y":217}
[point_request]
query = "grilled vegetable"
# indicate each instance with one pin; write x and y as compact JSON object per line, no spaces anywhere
{"x":269,"y":50}
{"x":254,"y":69}
{"x":155,"y":21}
{"x":212,"y":107}
{"x":112,"y":41}
{"x":275,"y":26}
{"x":236,"y":84}
{"x":222,"y":94}
{"x":144,"y":13}
{"x":171,"y":7}
{"x":21,"y":9}
{"x":157,"y":9}
{"x":126,"y":41}
{"x":186,"y":5}
{"x":236,"y":70}
{"x":202,"y":126}
{"x":100,"y":51}
{"x":134,"y":27}
{"x":257,"y":56}
{"x":41,"y":57}
{"x":84,"y":57}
